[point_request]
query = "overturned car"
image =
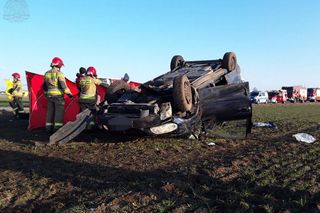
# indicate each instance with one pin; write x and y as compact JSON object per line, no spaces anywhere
{"x":193,"y":95}
{"x":189,"y":99}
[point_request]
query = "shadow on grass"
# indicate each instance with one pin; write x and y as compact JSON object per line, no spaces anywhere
{"x":15,"y":130}
{"x":193,"y":187}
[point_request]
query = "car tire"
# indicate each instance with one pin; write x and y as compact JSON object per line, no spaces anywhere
{"x":229,"y":61}
{"x":176,"y":61}
{"x":182,"y":94}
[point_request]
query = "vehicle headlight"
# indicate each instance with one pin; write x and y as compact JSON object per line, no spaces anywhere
{"x":163,"y":129}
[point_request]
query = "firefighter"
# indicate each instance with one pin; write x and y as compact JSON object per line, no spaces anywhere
{"x":55,"y":87}
{"x":80,"y":75}
{"x":17,"y":94}
{"x":88,"y":89}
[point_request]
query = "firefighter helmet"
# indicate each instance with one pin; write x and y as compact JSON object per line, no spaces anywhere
{"x":16,"y":75}
{"x":57,"y":62}
{"x":91,"y":71}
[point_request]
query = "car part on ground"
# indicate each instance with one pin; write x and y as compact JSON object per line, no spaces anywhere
{"x":72,"y":128}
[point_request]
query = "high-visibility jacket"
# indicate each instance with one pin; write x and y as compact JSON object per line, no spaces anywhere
{"x":78,"y":79}
{"x":17,"y":88}
{"x":88,"y":88}
{"x":55,"y":83}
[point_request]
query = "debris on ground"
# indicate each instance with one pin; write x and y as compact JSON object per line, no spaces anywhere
{"x":266,"y":124}
{"x":211,"y":144}
{"x":304,"y":137}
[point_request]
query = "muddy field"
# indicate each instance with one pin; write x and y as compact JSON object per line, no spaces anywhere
{"x":268,"y":172}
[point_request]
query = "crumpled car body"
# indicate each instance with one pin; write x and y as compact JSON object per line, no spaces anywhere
{"x":191,"y":97}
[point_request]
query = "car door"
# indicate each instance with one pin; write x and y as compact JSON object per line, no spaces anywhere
{"x":226,"y":102}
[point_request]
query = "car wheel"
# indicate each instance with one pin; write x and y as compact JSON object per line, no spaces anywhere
{"x":176,"y":61}
{"x":182,"y":94}
{"x":229,"y":61}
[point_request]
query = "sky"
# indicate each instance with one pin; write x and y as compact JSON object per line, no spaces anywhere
{"x":277,"y":42}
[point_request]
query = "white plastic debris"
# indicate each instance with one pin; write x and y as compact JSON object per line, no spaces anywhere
{"x":211,"y":144}
{"x":265,"y":124}
{"x":304,"y":137}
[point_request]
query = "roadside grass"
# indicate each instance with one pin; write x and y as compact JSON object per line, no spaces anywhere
{"x":268,"y":172}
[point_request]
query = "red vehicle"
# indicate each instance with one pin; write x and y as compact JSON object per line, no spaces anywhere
{"x":278,"y":96}
{"x":313,"y":94}
{"x":282,"y":96}
{"x":296,"y":93}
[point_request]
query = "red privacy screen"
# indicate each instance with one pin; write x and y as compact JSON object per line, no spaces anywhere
{"x":38,"y":103}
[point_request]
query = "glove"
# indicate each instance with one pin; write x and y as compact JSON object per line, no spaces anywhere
{"x":70,"y":95}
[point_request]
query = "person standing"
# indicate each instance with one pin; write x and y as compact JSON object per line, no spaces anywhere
{"x":88,"y":89}
{"x":17,"y":94}
{"x":55,"y":87}
{"x":80,"y":75}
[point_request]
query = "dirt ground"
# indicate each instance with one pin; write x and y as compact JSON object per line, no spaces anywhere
{"x":99,"y":172}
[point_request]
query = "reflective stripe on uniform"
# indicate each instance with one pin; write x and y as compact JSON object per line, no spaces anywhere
{"x":54,"y":91}
{"x":87,"y":97}
{"x":58,"y":124}
{"x":67,"y":91}
{"x":55,"y":83}
{"x":49,"y":124}
{"x":88,"y":88}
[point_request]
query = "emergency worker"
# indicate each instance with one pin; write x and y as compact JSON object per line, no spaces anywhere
{"x":88,"y":89}
{"x":55,"y":87}
{"x":17,"y":94}
{"x":80,"y":75}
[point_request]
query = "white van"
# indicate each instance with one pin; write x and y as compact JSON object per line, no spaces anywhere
{"x":259,"y":97}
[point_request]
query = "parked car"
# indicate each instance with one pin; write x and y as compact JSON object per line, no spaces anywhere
{"x":192,"y":97}
{"x":313,"y":94}
{"x":296,"y":93}
{"x":259,"y":97}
